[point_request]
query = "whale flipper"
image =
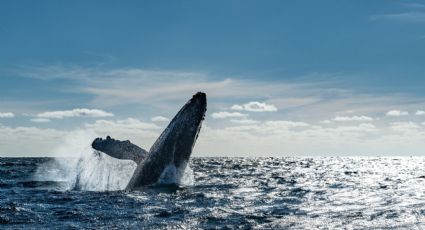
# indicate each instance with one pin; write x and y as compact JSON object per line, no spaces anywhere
{"x":174,"y":146}
{"x":124,"y":150}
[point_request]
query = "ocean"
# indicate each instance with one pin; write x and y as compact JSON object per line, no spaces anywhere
{"x":221,"y":193}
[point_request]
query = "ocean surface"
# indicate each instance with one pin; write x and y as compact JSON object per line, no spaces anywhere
{"x":222,"y":193}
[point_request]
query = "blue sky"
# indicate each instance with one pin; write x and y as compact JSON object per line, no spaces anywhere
{"x":344,"y":76}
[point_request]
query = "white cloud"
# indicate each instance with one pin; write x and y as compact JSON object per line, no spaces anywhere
{"x":32,"y":141}
{"x":268,"y":128}
{"x":163,"y":90}
{"x":74,"y":113}
{"x":159,"y":119}
{"x":255,"y":106}
{"x":137,"y":131}
{"x":353,"y":118}
{"x":245,"y":121}
{"x":420,"y":112}
{"x":282,"y":138}
{"x":7,"y":115}
{"x":40,"y":120}
{"x":397,"y":113}
{"x":222,"y":115}
{"x":237,"y":107}
{"x":129,"y":123}
{"x":267,"y":138}
{"x":403,"y":126}
{"x":306,"y":102}
{"x":325,"y":122}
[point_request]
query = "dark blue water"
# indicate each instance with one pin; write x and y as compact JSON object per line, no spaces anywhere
{"x":229,"y":193}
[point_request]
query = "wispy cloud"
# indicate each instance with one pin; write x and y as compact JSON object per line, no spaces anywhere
{"x":353,"y":118}
{"x":7,"y":115}
{"x":404,"y":126}
{"x":420,"y":112}
{"x":126,"y":85}
{"x":325,"y":122}
{"x":40,"y":120}
{"x":139,"y":132}
{"x":164,"y":90}
{"x":255,"y":106}
{"x":245,"y":121}
{"x":222,"y":115}
{"x":300,"y":108}
{"x":74,"y":113}
{"x":413,"y":5}
{"x":397,"y":113}
{"x":418,"y":17}
{"x":159,"y":119}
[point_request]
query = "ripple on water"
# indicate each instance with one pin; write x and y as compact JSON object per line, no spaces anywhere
{"x":229,"y":193}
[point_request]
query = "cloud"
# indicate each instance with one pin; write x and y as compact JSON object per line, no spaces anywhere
{"x":7,"y":115}
{"x":403,"y":126}
{"x":269,"y":127}
{"x":222,"y":115}
{"x":129,"y":124}
{"x":74,"y":113}
{"x":32,"y":141}
{"x":245,"y":121}
{"x":413,"y":5}
{"x":417,"y":17}
{"x":159,"y":119}
{"x":40,"y":120}
{"x":255,"y":106}
{"x":163,"y":91}
{"x":307,"y":102}
{"x":135,"y":130}
{"x":420,"y":112}
{"x":260,"y":138}
{"x":286,"y":137}
{"x":353,"y":118}
{"x":397,"y":113}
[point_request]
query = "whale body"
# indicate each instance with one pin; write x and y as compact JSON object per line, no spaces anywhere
{"x":171,"y":150}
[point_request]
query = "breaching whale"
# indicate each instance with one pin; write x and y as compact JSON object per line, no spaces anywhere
{"x":171,"y":150}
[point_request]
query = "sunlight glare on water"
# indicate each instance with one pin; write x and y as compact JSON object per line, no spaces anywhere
{"x":258,"y":193}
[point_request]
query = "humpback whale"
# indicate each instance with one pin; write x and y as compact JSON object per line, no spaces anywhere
{"x":172,"y":149}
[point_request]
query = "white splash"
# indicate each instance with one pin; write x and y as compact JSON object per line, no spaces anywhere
{"x":81,"y":167}
{"x":173,"y":175}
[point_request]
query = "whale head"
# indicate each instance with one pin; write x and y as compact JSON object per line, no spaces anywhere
{"x":174,"y":146}
{"x":183,"y":130}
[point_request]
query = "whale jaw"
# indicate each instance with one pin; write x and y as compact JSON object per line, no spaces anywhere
{"x":174,"y":146}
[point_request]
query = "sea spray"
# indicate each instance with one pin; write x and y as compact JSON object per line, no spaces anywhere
{"x":78,"y":166}
{"x":182,"y":175}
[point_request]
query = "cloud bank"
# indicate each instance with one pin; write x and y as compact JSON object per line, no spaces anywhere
{"x":74,"y":113}
{"x":255,"y":106}
{"x":7,"y":115}
{"x":397,"y":113}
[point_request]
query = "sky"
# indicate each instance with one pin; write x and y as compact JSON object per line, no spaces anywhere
{"x":283,"y":78}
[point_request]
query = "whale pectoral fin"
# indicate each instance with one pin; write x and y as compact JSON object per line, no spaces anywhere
{"x":123,"y":150}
